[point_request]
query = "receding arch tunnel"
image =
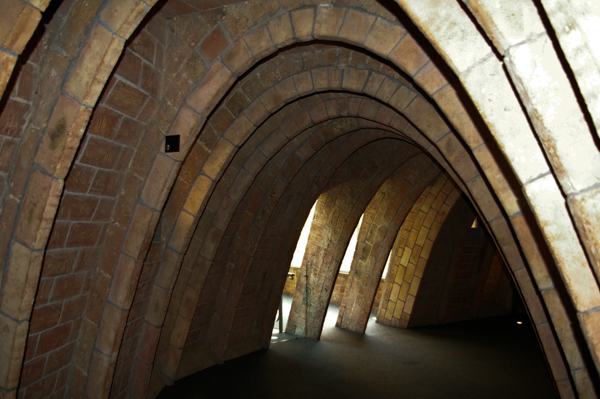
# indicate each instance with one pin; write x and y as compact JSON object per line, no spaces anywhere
{"x":139,"y":266}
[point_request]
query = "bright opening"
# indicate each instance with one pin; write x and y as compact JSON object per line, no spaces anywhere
{"x":303,"y":240}
{"x":347,"y":261}
{"x":387,"y":265}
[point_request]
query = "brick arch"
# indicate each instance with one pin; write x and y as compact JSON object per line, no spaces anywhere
{"x":259,"y":225}
{"x":276,"y":228}
{"x":230,"y":58}
{"x":541,"y":183}
{"x":446,"y":298}
{"x":385,"y":216}
{"x":506,"y":195}
{"x":498,"y":225}
{"x":386,"y":117}
{"x":272,"y":149}
{"x":282,"y":248}
{"x":141,"y":214}
{"x":170,"y":258}
{"x":24,"y":19}
{"x":194,"y":121}
{"x":69,"y":86}
{"x":286,"y":233}
{"x":337,"y":213}
{"x":412,"y":249}
{"x":136,"y":241}
{"x":321,"y":111}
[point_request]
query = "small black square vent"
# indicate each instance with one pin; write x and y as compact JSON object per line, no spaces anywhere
{"x":172,"y":143}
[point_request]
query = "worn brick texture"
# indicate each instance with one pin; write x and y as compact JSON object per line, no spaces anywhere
{"x":125,"y":268}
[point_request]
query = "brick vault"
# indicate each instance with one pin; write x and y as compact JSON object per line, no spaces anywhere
{"x":139,"y":266}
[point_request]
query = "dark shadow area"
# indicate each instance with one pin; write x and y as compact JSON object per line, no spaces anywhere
{"x":492,"y":358}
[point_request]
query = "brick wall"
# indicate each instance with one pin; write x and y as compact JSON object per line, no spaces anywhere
{"x":412,"y":250}
{"x":268,"y":114}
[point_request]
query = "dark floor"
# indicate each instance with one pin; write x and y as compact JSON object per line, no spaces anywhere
{"x":494,"y":358}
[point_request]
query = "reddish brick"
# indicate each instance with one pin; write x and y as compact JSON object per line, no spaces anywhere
{"x":32,"y":341}
{"x":83,"y":234}
{"x":214,"y":44}
{"x":12,"y":118}
{"x":44,"y":291}
{"x":221,"y":119}
{"x":43,"y":388}
{"x":44,"y":317}
{"x":58,"y":262}
{"x":126,"y":99}
{"x":53,"y":338}
{"x":146,"y":151}
{"x":129,"y":132}
{"x":144,"y":46}
{"x":61,"y":382}
{"x":179,"y":7}
{"x":72,"y":309}
{"x":124,"y":159}
{"x":104,"y":210}
{"x":32,"y":371}
{"x":129,"y":67}
{"x":77,"y":207}
{"x":148,"y":110}
{"x":150,"y":80}
{"x":68,"y":287}
{"x":59,"y":358}
{"x":79,"y":178}
{"x":7,"y":154}
{"x":100,"y":153}
{"x":204,"y":4}
{"x":156,"y":28}
{"x":106,"y":183}
{"x":104,"y":122}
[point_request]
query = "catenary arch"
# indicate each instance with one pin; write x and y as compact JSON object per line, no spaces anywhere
{"x":329,"y":239}
{"x":327,"y":133}
{"x":411,"y":251}
{"x":571,"y":287}
{"x":384,"y":217}
{"x":162,"y":165}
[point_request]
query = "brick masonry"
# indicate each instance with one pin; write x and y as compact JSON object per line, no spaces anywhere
{"x":123,"y":262}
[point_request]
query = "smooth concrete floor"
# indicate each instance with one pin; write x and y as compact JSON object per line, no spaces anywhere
{"x":493,"y":358}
